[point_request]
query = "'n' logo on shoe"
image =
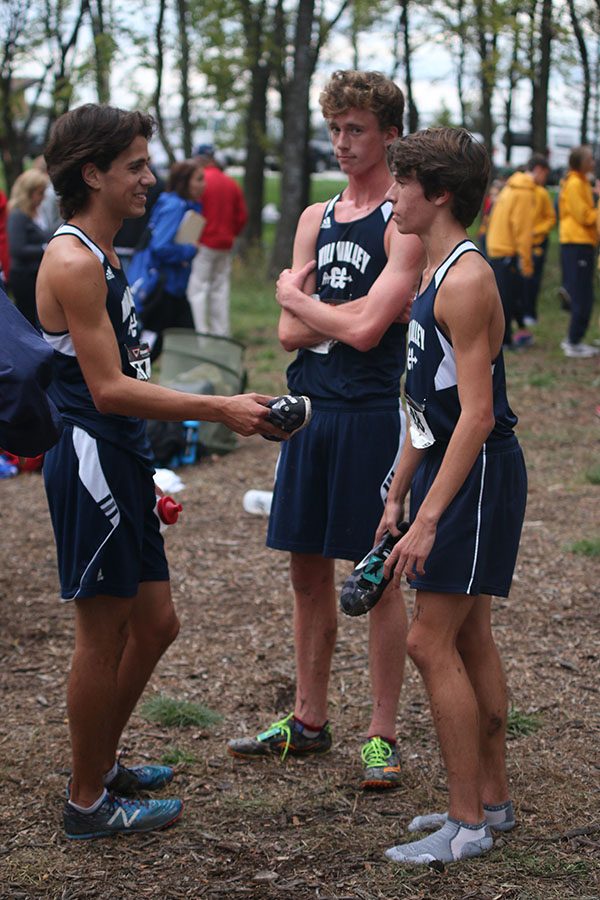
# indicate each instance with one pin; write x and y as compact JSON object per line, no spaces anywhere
{"x":127,"y":820}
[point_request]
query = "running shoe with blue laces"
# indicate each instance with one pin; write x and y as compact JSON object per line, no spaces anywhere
{"x":382,"y":764}
{"x":117,"y":815}
{"x":283,"y":737}
{"x":365,"y":585}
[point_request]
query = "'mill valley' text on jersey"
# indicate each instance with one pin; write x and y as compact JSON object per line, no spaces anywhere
{"x":350,"y":258}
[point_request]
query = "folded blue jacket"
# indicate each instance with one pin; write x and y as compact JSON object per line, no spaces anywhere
{"x":29,"y":421}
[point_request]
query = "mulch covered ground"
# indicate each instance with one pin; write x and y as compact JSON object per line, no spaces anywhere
{"x":303,"y":829}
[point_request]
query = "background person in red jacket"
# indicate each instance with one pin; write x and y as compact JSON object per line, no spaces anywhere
{"x":224,"y":208}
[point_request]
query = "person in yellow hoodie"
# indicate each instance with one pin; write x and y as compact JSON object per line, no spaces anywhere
{"x":509,"y":249}
{"x":578,"y":236}
{"x":543,"y":223}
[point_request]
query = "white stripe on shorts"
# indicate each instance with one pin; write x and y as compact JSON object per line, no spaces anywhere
{"x":93,"y":478}
{"x":478,"y":530}
{"x":387,"y":481}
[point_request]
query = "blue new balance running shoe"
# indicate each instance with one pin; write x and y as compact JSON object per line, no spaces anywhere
{"x":116,"y":815}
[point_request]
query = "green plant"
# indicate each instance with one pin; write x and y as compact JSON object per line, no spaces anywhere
{"x":520,"y":724}
{"x":174,"y":756}
{"x":593,"y":475}
{"x":177,"y":713}
{"x":587,"y":547}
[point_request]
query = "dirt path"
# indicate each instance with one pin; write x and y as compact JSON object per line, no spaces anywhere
{"x":303,"y":829}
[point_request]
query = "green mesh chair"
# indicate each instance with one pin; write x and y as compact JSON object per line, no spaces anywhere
{"x":204,"y":364}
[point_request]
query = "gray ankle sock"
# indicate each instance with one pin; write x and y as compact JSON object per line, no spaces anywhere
{"x":111,"y":774}
{"x":88,"y":810}
{"x":455,"y":840}
{"x":499,"y":818}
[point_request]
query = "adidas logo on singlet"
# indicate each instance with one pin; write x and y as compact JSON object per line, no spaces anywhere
{"x":109,"y":273}
{"x":326,"y":223}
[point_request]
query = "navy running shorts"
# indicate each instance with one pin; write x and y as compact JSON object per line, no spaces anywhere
{"x":477,"y":537}
{"x":101,"y":501}
{"x":332,"y":479}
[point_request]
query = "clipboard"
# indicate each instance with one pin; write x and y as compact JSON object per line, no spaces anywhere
{"x":190,"y":228}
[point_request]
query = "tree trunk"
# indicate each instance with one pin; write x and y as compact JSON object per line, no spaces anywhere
{"x":541,"y":78}
{"x":585,"y":65}
{"x":295,"y":137}
{"x":487,"y":71}
{"x":461,"y":31}
{"x":512,"y":83}
{"x":413,"y":114}
{"x":12,"y":141}
{"x":156,"y":102}
{"x":184,"y":68}
{"x":596,"y":117}
{"x":256,"y":122}
{"x":103,"y":51}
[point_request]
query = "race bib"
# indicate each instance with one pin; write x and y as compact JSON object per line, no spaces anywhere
{"x":420,"y":432}
{"x":139,"y":360}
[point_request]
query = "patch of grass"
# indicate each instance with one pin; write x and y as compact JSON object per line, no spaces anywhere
{"x":587,"y":547}
{"x":593,"y":475}
{"x":253,"y":802}
{"x":174,"y":756}
{"x":542,"y":379}
{"x":531,"y":865}
{"x":177,"y":713}
{"x":520,"y":724}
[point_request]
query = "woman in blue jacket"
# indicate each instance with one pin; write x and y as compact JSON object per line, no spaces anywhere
{"x":172,"y":259}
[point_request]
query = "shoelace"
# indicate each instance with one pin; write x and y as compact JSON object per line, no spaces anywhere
{"x":376,"y":752}
{"x":283,"y":728}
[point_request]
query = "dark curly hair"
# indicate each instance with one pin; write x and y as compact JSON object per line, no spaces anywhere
{"x":445,"y":159}
{"x":90,"y":133}
{"x":350,"y":89}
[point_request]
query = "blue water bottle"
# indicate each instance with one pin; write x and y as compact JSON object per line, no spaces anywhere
{"x":190,"y":454}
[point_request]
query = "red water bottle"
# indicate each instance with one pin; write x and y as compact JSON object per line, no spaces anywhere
{"x":167,"y":510}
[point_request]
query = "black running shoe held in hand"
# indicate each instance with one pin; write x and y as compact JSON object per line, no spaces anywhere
{"x":365,"y":585}
{"x":289,"y":412}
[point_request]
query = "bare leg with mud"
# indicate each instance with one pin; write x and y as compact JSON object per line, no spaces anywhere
{"x":100,"y":636}
{"x":437,"y":621}
{"x":388,"y":626}
{"x":482,"y":661}
{"x":315,"y":631}
{"x":153,"y":626}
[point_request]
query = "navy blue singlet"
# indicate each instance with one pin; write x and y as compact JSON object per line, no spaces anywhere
{"x":431,"y":383}
{"x":350,"y":258}
{"x":69,"y":389}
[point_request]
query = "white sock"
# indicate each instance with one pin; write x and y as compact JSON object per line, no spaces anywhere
{"x":500,"y":817}
{"x":455,"y":840}
{"x":88,"y":810}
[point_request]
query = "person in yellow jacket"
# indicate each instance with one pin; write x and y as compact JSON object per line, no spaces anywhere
{"x":544,"y":220}
{"x":578,"y":237}
{"x":509,"y":249}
